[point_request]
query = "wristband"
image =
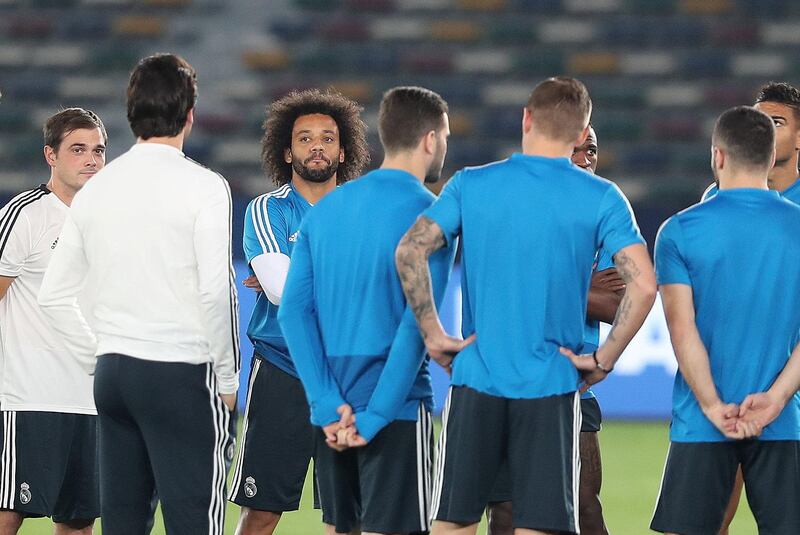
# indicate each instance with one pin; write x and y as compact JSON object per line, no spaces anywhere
{"x":600,"y":366}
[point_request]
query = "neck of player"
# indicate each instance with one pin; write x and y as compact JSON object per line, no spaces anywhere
{"x":313,"y":191}
{"x":784,"y":174}
{"x":64,"y":193}
{"x":538,"y":145}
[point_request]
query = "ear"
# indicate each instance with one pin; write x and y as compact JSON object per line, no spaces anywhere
{"x":430,"y":142}
{"x":287,"y":155}
{"x":718,"y":157}
{"x":527,"y":120}
{"x":190,"y":117}
{"x":797,"y":140}
{"x":341,"y":155}
{"x":50,"y":155}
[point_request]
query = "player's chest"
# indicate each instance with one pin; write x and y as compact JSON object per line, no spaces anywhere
{"x":43,"y":246}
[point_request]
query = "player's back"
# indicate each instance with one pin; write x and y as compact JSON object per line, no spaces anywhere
{"x":738,"y":251}
{"x":531,"y":227}
{"x":352,"y":235}
{"x":138,"y":218}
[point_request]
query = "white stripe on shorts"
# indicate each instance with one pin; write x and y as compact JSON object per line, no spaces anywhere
{"x":237,"y":474}
{"x":8,"y":462}
{"x":441,"y":448}
{"x":221,"y":419}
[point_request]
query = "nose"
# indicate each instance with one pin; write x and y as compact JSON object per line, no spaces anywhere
{"x":92,"y":161}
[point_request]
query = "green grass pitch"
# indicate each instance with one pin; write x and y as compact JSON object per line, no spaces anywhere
{"x":633,"y":459}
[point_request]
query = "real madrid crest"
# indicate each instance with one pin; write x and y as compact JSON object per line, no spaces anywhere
{"x":24,"y":493}
{"x":250,"y":488}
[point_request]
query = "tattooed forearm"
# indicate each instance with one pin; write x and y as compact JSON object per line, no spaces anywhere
{"x":626,"y":267}
{"x":622,"y":316}
{"x":411,"y":257}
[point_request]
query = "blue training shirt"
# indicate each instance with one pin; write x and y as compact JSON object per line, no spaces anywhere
{"x":791,"y":193}
{"x":343,"y":312}
{"x":527,"y":260}
{"x":271,"y":224}
{"x":739,"y":251}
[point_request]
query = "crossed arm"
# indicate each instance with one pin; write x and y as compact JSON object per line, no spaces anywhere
{"x":734,"y":421}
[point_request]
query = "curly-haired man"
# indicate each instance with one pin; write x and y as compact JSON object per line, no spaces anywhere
{"x":313,"y":140}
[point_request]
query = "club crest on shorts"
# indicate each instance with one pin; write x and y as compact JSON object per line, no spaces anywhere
{"x":24,"y":493}
{"x":250,"y":488}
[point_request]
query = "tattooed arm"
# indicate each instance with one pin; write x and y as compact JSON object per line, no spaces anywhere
{"x":636,"y":270}
{"x":423,"y":239}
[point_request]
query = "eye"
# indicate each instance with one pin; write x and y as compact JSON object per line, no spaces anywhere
{"x":328,"y":139}
{"x":591,"y":152}
{"x":100,"y":150}
{"x":304,"y":139}
{"x":77,"y":150}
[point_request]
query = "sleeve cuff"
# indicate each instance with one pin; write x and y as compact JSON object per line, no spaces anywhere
{"x":323,"y":411}
{"x":228,"y":384}
{"x":369,"y":424}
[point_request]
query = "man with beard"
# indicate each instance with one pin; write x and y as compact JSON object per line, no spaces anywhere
{"x":781,"y":102}
{"x":735,"y":339}
{"x":312,"y":141}
{"x":355,"y":344}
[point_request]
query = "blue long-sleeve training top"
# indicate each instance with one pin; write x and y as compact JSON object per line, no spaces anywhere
{"x":343,"y":313}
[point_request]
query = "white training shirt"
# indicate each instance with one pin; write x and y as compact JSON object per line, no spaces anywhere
{"x":39,"y":373}
{"x":149,"y":237}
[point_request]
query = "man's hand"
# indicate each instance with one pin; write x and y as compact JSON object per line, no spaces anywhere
{"x":229,"y":400}
{"x":586,"y":366}
{"x":608,"y":279}
{"x":443,"y":348}
{"x":760,"y":409}
{"x":252,"y":283}
{"x":336,"y":433}
{"x":725,"y":417}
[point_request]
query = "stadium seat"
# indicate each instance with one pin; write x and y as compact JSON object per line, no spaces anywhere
{"x":706,"y":63}
{"x":462,"y":31}
{"x":359,"y":90}
{"x":582,"y":63}
{"x":139,"y":26}
{"x":482,"y":5}
{"x":373,"y":6}
{"x":345,"y":29}
{"x":768,"y":65}
{"x":96,"y":88}
{"x":37,"y":26}
{"x":668,"y":128}
{"x":265,"y":60}
{"x":512,"y":31}
{"x":431,"y":61}
{"x":732,"y":34}
{"x":113,"y":57}
{"x":544,"y":62}
{"x":324,"y":5}
{"x":14,"y":119}
{"x":489,"y":61}
{"x":705,"y":7}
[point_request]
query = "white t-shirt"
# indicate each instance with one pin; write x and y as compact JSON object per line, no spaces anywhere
{"x":149,"y":239}
{"x":38,"y":372}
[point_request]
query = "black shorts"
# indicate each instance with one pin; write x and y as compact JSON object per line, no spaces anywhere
{"x":591,"y":420}
{"x":539,"y":437}
{"x":699,"y":477}
{"x":49,"y":465}
{"x":277,"y":442}
{"x":383,"y":487}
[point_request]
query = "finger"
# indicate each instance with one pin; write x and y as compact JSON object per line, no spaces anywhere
{"x":568,"y":353}
{"x":746,"y":405}
{"x":467,"y":341}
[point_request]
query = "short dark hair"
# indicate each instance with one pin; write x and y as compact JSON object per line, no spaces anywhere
{"x":281,"y":116}
{"x":781,"y":93}
{"x":747,"y":134}
{"x":59,"y":125}
{"x":561,"y":108}
{"x":406,"y":114}
{"x":161,"y":91}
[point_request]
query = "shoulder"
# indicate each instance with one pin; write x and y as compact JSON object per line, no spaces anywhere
{"x":271,"y":200}
{"x":28,"y":203}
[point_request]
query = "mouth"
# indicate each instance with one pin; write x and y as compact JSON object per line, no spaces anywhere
{"x":317,"y":159}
